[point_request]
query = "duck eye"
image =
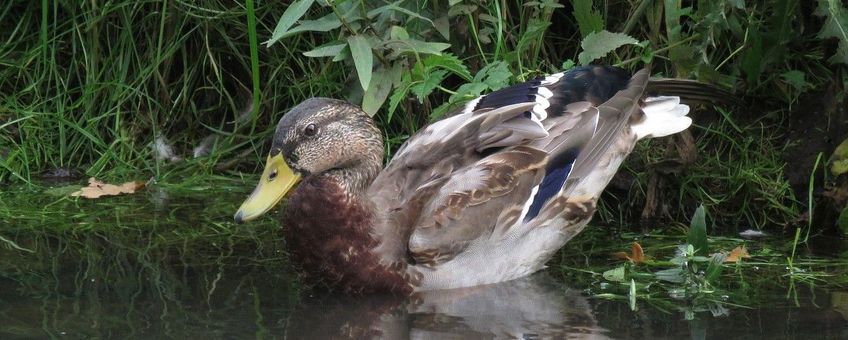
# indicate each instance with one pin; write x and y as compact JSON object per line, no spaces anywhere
{"x":272,"y":175}
{"x":310,"y":130}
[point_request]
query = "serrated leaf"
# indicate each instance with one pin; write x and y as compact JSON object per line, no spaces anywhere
{"x":330,"y":50}
{"x":495,"y":75}
{"x":835,"y":26}
{"x":599,"y":44}
{"x":697,"y":236}
{"x":424,"y":88}
{"x":363,"y":58}
{"x":796,"y":79}
{"x":293,"y":13}
{"x":448,"y":62}
{"x":588,"y":21}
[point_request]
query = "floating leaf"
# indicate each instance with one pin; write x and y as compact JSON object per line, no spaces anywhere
{"x":673,"y":275}
{"x":835,"y":26}
{"x":615,"y":275}
{"x":293,"y":13}
{"x":363,"y":59}
{"x":737,"y":254}
{"x":697,"y":236}
{"x":97,"y":189}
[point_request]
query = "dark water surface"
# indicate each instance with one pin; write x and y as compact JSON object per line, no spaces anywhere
{"x":170,"y":264}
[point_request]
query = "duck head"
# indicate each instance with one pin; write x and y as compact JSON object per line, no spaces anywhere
{"x":318,"y":137}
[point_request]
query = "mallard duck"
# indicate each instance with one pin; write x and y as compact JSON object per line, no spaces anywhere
{"x":487,"y":194}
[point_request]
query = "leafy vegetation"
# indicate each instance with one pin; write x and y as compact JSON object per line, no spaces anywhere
{"x":169,"y":90}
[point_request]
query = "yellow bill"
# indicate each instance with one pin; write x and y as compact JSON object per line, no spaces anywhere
{"x":276,"y":181}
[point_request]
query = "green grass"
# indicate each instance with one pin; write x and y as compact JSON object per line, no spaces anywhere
{"x":90,"y":87}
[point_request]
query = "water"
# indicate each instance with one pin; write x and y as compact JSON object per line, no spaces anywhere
{"x":169,"y":264}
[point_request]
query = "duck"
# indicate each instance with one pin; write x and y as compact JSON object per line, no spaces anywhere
{"x":488,"y":194}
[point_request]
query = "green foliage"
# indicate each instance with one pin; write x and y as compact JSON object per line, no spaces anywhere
{"x":697,"y":236}
{"x":598,"y":45}
{"x":588,"y":20}
{"x":92,"y":86}
{"x":835,"y":26}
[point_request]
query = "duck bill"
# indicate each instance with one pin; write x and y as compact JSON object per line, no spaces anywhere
{"x":277,"y":179}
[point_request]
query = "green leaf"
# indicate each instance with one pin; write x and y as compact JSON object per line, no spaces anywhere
{"x":363,"y":58}
{"x":324,"y":24}
{"x":378,"y":90}
{"x":424,"y":88}
{"x":588,"y":21}
{"x":598,"y":45}
{"x":329,"y":50}
{"x":414,"y":46}
{"x":697,"y":236}
{"x":615,"y":275}
{"x":842,"y":221}
{"x":495,"y":75}
{"x":839,"y":159}
{"x":835,"y":26}
{"x":632,"y":295}
{"x":796,"y":79}
{"x":673,"y":275}
{"x":715,"y":268}
{"x":293,"y":13}
{"x":448,"y":62}
{"x":394,"y":7}
{"x":398,"y":33}
{"x":567,"y":65}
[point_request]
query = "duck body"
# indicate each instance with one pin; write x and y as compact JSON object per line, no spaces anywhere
{"x":486,"y":195}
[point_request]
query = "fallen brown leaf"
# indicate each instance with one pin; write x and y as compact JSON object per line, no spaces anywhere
{"x":97,"y":189}
{"x":637,"y":254}
{"x":737,"y":254}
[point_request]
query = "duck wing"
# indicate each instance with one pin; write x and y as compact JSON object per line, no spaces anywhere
{"x":501,"y":158}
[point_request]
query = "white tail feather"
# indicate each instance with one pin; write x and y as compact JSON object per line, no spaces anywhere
{"x":664,"y":116}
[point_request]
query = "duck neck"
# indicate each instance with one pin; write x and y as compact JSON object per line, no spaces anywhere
{"x":355,"y":179}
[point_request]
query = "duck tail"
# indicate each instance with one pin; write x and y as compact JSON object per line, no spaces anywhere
{"x":693,"y":92}
{"x":663,"y":116}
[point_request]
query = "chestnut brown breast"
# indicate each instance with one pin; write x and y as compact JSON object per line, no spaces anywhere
{"x":328,"y":236}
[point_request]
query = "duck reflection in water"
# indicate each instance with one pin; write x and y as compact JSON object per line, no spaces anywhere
{"x":534,"y":307}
